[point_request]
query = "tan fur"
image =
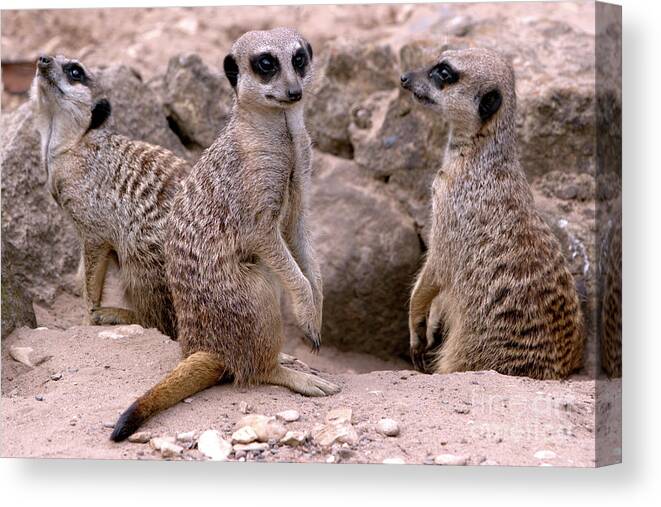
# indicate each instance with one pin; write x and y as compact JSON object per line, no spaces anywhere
{"x":117,"y":192}
{"x":238,"y":232}
{"x":505,"y":297}
{"x":611,"y":298}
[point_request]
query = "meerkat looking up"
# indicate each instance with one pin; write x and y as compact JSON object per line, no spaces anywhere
{"x":238,"y":231}
{"x":507,"y":299}
{"x":117,"y":192}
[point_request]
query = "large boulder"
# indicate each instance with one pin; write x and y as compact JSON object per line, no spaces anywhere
{"x":369,"y":253}
{"x":31,"y":221}
{"x":198,"y":100}
{"x":346,"y":73}
{"x":17,"y":308}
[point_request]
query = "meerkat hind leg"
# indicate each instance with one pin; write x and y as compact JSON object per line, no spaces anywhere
{"x":111,"y":316}
{"x":300,"y":382}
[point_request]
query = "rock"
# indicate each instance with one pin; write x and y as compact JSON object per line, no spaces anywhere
{"x":265,"y":427}
{"x":39,"y":397}
{"x":57,"y":376}
{"x":294,"y":438}
{"x":339,"y":416}
{"x":288,"y":415}
{"x":244,"y":408}
{"x":545,"y":454}
{"x":186,"y":437}
{"x":166,"y":446}
{"x":369,"y":252}
{"x":450,"y":459}
{"x":31,"y":221}
{"x":213,"y":446}
{"x":330,"y":459}
{"x":346,"y":73}
{"x":140,"y":437}
{"x":27,"y":356}
{"x":251,"y":447}
{"x":17,"y":308}
{"x":108,"y":424}
{"x":394,"y":461}
{"x":119,"y":332}
{"x":244,"y":435}
{"x":198,"y":100}
{"x":388,"y":427}
{"x":328,"y":434}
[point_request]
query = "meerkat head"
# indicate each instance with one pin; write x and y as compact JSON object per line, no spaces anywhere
{"x":269,"y":68}
{"x":63,"y":93}
{"x":470,"y":88}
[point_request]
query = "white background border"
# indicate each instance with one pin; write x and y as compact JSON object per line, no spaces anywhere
{"x":78,"y":482}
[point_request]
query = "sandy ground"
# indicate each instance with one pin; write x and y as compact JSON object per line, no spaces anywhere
{"x":484,"y":417}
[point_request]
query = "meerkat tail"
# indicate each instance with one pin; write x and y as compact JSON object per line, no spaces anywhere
{"x":192,"y":375}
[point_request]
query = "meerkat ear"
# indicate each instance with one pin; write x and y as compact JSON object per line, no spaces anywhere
{"x":100,"y":113}
{"x":231,"y":70}
{"x":489,"y":104}
{"x":309,"y":48}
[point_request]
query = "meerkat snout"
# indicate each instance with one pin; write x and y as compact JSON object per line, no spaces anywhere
{"x":269,"y":69}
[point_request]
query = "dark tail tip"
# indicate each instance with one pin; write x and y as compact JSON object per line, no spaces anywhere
{"x":127,"y":424}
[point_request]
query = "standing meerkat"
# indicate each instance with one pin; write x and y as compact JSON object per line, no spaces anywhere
{"x":238,"y":231}
{"x":117,"y":191}
{"x":611,"y":297}
{"x":507,"y":300}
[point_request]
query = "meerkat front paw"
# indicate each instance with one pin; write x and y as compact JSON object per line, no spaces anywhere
{"x":418,"y":343}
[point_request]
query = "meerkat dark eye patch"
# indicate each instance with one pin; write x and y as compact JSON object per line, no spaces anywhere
{"x":231,"y":70}
{"x":309,"y":48}
{"x":489,"y":104}
{"x":74,"y":73}
{"x":300,"y":61}
{"x":443,"y":74}
{"x":100,"y":113}
{"x":265,"y":65}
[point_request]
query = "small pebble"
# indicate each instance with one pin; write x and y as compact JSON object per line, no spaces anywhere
{"x":186,"y":437}
{"x":213,"y":446}
{"x":244,"y":435}
{"x":288,"y":415}
{"x":339,"y":415}
{"x":188,"y":400}
{"x":545,"y":454}
{"x":388,"y":427}
{"x":39,"y":397}
{"x":141,"y":437}
{"x":294,"y":438}
{"x":450,"y":459}
{"x":251,"y":447}
{"x":330,"y":459}
{"x":56,"y":376}
{"x":108,"y":424}
{"x":244,"y":408}
{"x":393,"y":461}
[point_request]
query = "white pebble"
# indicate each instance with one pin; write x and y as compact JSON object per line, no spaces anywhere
{"x":330,"y":459}
{"x":388,"y":427}
{"x":545,"y":454}
{"x":244,"y":435}
{"x":450,"y":459}
{"x":294,"y":438}
{"x":213,"y":446}
{"x":253,"y":446}
{"x":393,"y":461}
{"x":186,"y":437}
{"x":141,"y":437}
{"x":288,"y":415}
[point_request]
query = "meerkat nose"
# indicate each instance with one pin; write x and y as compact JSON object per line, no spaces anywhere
{"x":44,"y":61}
{"x":405,"y":80}
{"x":294,"y":95}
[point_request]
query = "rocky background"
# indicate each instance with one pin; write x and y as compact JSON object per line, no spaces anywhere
{"x":375,"y":151}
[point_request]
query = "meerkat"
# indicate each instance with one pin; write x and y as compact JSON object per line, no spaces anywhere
{"x":238,"y":233}
{"x":611,"y":298}
{"x":506,"y":299}
{"x":117,"y":191}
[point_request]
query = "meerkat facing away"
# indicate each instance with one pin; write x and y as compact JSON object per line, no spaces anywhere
{"x":238,"y":231}
{"x":117,"y":191}
{"x":507,"y":299}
